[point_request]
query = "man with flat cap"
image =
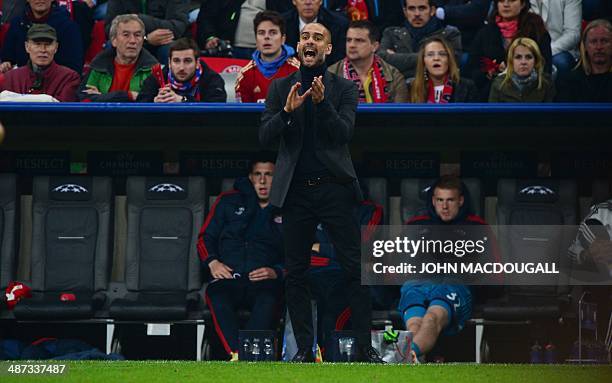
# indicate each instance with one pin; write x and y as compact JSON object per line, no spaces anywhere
{"x":42,"y":75}
{"x":312,"y":113}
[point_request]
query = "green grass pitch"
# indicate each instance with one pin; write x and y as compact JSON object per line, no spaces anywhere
{"x":153,"y":371}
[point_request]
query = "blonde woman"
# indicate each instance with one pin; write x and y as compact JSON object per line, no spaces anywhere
{"x":437,"y":77}
{"x":524,"y":80}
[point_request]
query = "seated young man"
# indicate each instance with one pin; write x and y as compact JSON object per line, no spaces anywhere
{"x":185,"y":79}
{"x":241,"y":245}
{"x":272,"y":59}
{"x":430,"y":309}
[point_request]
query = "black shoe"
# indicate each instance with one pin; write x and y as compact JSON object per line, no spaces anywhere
{"x":303,"y":356}
{"x":370,"y":355}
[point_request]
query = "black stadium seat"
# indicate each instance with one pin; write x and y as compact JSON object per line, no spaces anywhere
{"x":414,"y":191}
{"x":544,"y":206}
{"x":162,"y":272}
{"x":71,"y":236}
{"x":8,"y":227}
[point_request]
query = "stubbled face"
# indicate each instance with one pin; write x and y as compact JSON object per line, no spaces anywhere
{"x":129,"y":40}
{"x":269,"y":39}
{"x":307,"y":9}
{"x":183,"y":64}
{"x":447,"y":203}
{"x":41,"y":52}
{"x":598,"y":44}
{"x":509,"y":9}
{"x":261,"y":178}
{"x":523,"y":60}
{"x":40,"y":7}
{"x":436,"y":59}
{"x":418,"y":12}
{"x":358,"y":44}
{"x":314,"y":45}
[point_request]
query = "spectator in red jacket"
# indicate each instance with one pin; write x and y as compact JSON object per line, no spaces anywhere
{"x":42,"y":75}
{"x":272,"y":59}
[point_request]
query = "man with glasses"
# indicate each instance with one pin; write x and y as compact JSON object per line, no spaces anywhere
{"x":42,"y":75}
{"x":312,"y":113}
{"x":400,"y":45}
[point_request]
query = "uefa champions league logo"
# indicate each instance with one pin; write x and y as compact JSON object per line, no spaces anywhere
{"x":537,"y":190}
{"x":70,"y":188}
{"x":162,"y":188}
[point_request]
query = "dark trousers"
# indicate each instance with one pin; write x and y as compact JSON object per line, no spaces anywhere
{"x":225,"y":297}
{"x":332,"y":205}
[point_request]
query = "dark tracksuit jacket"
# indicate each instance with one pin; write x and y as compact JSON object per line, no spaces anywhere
{"x":245,"y":237}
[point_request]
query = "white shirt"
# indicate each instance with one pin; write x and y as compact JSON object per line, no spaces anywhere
{"x":303,"y":23}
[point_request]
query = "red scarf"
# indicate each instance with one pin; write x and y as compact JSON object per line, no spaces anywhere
{"x":445,"y":97}
{"x":508,"y":28}
{"x":380,"y":93}
{"x":357,"y":10}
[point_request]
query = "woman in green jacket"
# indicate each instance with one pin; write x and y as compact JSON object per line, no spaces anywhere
{"x":524,"y":80}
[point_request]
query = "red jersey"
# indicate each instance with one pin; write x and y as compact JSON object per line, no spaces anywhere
{"x":252,"y":85}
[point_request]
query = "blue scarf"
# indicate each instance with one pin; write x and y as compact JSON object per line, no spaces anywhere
{"x":269,"y":69}
{"x":419,"y":34}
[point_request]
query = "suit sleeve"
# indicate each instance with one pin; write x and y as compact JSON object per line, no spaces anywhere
{"x":339,"y":124}
{"x":274,"y":119}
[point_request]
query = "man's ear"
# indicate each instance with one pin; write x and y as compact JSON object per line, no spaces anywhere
{"x":461,"y":201}
{"x":432,"y":11}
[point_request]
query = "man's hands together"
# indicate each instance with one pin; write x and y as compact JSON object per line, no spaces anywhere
{"x":317,"y":91}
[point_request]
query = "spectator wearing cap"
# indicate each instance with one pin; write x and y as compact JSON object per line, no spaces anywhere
{"x":70,"y":51}
{"x":117,"y":74}
{"x":42,"y":75}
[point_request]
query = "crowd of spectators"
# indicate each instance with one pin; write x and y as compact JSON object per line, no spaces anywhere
{"x":420,"y":51}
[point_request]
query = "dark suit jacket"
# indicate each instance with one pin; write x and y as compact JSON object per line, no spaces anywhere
{"x":336,"y":22}
{"x":334,"y":125}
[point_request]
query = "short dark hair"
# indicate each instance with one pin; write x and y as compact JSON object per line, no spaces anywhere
{"x":261,"y":157}
{"x":432,"y":3}
{"x":449,"y":182}
{"x":271,"y":16}
{"x":373,"y":31}
{"x":183,"y":44}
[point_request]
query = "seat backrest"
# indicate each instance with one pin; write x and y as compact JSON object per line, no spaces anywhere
{"x":227,"y":184}
{"x":535,"y":218}
{"x":8,"y":228}
{"x":414,"y":194}
{"x":602,"y":190}
{"x":378,"y":192}
{"x":164,"y":216}
{"x":71,"y":233}
{"x":230,"y":83}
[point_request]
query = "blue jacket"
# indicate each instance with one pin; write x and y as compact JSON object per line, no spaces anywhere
{"x":70,"y":50}
{"x":240,"y":234}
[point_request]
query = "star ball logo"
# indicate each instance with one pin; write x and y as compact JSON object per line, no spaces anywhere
{"x":170,"y":188}
{"x":70,"y":188}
